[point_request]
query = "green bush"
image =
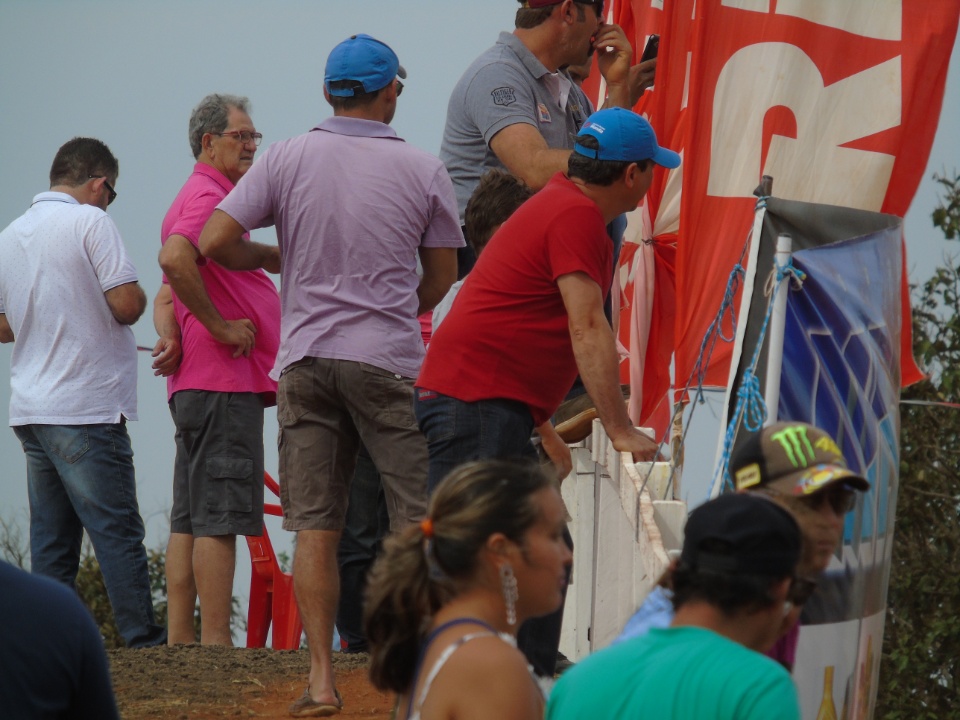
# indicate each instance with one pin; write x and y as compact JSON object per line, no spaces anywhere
{"x":93,"y":591}
{"x":920,"y":670}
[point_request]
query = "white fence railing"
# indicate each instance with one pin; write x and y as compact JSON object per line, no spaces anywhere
{"x":623,"y":526}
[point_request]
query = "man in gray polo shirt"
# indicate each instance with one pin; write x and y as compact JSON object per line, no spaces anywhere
{"x":516,"y":108}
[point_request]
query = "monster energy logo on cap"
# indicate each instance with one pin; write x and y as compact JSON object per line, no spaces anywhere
{"x":782,"y":455}
{"x":795,"y":444}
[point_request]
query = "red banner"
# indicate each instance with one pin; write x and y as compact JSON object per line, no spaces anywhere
{"x":838,"y":102}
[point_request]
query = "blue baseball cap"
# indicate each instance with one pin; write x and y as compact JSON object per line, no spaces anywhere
{"x":625,"y":136}
{"x":366,"y":61}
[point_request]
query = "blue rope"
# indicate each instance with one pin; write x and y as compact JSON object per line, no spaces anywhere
{"x":750,"y":403}
{"x":709,"y":342}
{"x":715,"y":329}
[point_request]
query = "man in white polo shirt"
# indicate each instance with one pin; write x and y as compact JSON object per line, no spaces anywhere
{"x":68,"y":294}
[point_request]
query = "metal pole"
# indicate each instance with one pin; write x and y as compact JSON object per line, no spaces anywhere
{"x":778,"y":320}
{"x":676,"y":446}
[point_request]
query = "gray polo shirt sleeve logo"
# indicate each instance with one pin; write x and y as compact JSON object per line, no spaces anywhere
{"x":504,"y":96}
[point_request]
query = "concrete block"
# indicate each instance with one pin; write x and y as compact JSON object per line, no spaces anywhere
{"x":670,"y":517}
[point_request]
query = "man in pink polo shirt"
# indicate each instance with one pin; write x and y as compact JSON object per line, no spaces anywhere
{"x":228,"y":326}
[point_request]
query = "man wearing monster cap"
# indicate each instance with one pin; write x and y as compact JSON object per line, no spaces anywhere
{"x":800,"y":467}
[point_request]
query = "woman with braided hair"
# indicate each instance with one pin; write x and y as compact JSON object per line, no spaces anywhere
{"x":447,"y":596}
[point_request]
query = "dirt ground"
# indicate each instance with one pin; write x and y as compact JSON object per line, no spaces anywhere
{"x":190,"y":682}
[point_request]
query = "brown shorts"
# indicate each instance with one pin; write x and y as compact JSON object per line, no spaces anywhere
{"x":324,"y":409}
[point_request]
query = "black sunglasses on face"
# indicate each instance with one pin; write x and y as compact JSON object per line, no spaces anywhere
{"x":112,"y":193}
{"x":840,"y":498}
{"x":801,"y":589}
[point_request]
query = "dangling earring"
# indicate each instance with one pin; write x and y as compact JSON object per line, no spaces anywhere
{"x":508,"y":584}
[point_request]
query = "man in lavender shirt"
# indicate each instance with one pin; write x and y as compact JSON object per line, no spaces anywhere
{"x":354,"y":207}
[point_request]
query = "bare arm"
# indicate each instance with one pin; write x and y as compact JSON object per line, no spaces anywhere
{"x":556,"y":449}
{"x":439,"y":273}
{"x":6,"y":332}
{"x":524,"y":152}
{"x":127,"y":302}
{"x":595,"y":350}
{"x":168,"y":351}
{"x":178,"y":259}
{"x":521,"y":147}
{"x":222,"y":241}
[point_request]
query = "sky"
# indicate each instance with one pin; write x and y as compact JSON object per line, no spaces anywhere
{"x":129,"y":73}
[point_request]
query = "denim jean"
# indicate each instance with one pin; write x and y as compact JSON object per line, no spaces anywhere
{"x":366,"y":525}
{"x":458,"y":432}
{"x":81,"y":477}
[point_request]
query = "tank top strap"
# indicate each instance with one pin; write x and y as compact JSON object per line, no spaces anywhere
{"x":490,"y":630}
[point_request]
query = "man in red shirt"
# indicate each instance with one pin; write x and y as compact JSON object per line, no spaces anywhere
{"x":530,"y":315}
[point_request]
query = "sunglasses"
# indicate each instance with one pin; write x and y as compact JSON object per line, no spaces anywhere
{"x":112,"y":193}
{"x":801,"y":589}
{"x":840,"y":498}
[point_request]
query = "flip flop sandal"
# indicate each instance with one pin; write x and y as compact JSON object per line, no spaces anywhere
{"x":306,"y":706}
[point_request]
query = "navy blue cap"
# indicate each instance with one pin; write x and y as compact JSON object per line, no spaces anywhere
{"x":364,"y":60}
{"x":625,"y":136}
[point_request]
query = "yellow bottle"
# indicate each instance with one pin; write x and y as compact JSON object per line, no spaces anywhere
{"x":827,"y":711}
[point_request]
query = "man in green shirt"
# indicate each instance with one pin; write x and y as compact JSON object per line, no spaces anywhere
{"x":732,"y":593}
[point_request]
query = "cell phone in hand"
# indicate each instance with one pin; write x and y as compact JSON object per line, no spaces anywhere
{"x":651,"y":48}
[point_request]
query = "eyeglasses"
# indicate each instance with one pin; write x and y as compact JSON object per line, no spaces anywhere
{"x":399,"y":88}
{"x":113,"y":193}
{"x":840,"y":498}
{"x":244,"y":136}
{"x":801,"y":589}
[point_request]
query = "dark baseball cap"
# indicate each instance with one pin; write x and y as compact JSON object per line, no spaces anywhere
{"x":793,"y":458}
{"x":740,"y":533}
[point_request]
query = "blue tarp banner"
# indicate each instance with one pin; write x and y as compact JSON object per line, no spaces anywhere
{"x":841,"y":372}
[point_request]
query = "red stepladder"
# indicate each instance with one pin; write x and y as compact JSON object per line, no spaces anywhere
{"x":271,"y":590}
